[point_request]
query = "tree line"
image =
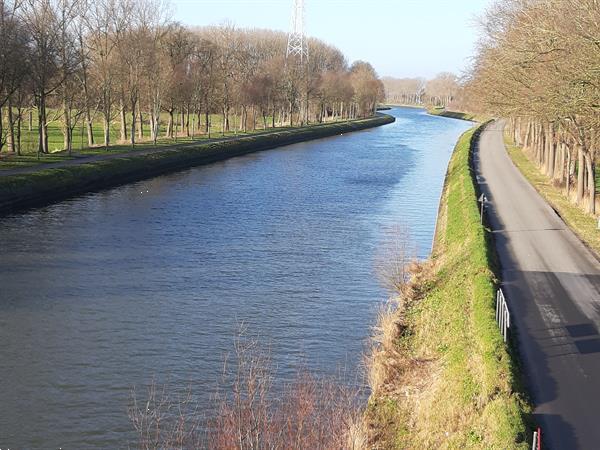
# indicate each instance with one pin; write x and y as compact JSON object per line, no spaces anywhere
{"x":538,"y":66}
{"x":439,"y":91}
{"x":126,"y":64}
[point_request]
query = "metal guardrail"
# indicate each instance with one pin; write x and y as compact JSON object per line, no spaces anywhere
{"x":503,"y":319}
{"x":502,"y":314}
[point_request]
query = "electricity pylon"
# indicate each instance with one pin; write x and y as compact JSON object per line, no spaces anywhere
{"x":297,"y":45}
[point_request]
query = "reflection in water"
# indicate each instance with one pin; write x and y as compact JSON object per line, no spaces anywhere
{"x":105,"y":291}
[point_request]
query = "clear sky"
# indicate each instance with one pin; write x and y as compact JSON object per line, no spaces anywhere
{"x":401,"y":38}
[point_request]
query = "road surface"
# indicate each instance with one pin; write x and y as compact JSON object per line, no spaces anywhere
{"x":552,"y":284}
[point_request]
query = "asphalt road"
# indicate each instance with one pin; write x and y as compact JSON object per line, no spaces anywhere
{"x":552,"y":285}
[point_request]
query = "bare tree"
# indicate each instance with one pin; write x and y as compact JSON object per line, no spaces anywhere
{"x":537,"y":66}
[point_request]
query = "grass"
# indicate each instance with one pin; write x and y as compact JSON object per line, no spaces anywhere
{"x":446,"y":378}
{"x":17,"y":191}
{"x":405,"y":105}
{"x":583,"y":224}
{"x":29,"y":140}
{"x":443,"y":112}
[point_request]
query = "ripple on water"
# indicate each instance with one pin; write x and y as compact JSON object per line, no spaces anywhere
{"x":105,"y":291}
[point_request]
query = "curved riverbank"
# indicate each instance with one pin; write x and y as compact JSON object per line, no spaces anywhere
{"x":45,"y":186}
{"x":444,"y":377}
{"x":443,"y":112}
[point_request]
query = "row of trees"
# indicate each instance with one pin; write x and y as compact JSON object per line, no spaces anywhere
{"x":538,"y":65}
{"x":439,"y":91}
{"x":125,"y":62}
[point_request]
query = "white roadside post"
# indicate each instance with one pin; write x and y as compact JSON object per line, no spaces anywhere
{"x":482,"y":200}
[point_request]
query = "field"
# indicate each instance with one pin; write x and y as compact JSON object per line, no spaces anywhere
{"x":29,"y":139}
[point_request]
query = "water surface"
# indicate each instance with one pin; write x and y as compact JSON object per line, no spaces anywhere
{"x":108,"y":290}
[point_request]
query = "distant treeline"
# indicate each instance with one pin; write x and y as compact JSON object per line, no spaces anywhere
{"x":439,"y":91}
{"x":125,"y":63}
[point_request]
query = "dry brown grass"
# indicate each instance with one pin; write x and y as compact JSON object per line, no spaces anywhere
{"x":394,"y":372}
{"x":393,"y":258}
{"x":387,"y":358}
{"x":252,"y":413}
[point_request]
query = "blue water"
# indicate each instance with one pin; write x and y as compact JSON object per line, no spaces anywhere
{"x":153,"y":279}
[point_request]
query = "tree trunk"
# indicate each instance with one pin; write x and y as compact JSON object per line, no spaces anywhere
{"x":141,"y":127}
{"x":560,"y":162}
{"x":518,"y":136}
{"x":591,"y":179}
{"x":42,"y":125}
{"x":10,"y":134}
{"x":18,"y":141}
{"x":89,"y":127}
{"x":133,"y":121}
{"x":153,"y":128}
{"x":106,"y":114}
{"x":1,"y":130}
{"x":551,"y":150}
{"x":67,"y":141}
{"x":123,"y":121}
{"x":580,"y":174}
{"x":187,"y":122}
{"x":568,"y":174}
{"x":176,"y":126}
{"x":170,"y":124}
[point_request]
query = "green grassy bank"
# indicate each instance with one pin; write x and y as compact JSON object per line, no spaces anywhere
{"x":29,"y":156}
{"x":443,"y":112}
{"x":51,"y":184}
{"x":449,"y":381}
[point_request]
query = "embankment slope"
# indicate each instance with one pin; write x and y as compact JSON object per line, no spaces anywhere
{"x":449,"y":380}
{"x":20,"y":191}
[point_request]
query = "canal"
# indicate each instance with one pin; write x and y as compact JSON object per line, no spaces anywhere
{"x":152,"y":280}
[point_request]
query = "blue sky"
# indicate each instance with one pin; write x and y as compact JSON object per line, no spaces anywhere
{"x":400,"y":38}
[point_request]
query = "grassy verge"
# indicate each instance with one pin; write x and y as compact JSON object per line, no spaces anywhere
{"x":29,"y":156}
{"x":46,"y":185}
{"x":444,"y":377}
{"x":405,"y":105}
{"x":582,"y":223}
{"x":437,"y":111}
{"x":29,"y":137}
{"x":13,"y":161}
